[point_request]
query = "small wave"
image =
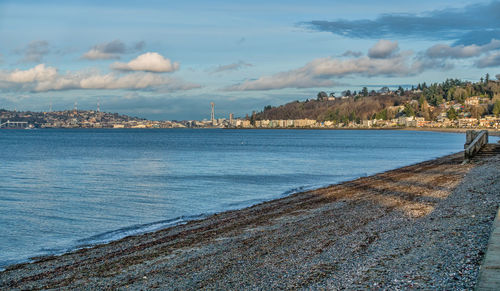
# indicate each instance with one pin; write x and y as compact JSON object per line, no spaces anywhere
{"x":113,"y":235}
{"x":107,"y":237}
{"x":293,"y":191}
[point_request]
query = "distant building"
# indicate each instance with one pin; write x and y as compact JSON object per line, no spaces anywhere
{"x":468,"y":122}
{"x":472,"y":101}
{"x":367,"y":123}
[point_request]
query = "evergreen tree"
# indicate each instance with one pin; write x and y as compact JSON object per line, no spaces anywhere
{"x":321,"y":95}
{"x":421,"y":100}
{"x":451,"y":114}
{"x":382,"y":115}
{"x":401,"y":91}
{"x":409,"y":111}
{"x":496,"y":108}
{"x":364,"y":92}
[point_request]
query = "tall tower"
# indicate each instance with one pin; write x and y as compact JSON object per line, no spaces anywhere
{"x":231,"y":117}
{"x":98,"y":103}
{"x":212,"y":115}
{"x":75,"y":108}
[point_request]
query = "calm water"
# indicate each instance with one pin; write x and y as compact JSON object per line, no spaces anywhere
{"x":63,"y":189}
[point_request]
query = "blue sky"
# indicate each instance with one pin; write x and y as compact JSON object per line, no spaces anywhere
{"x":170,"y":59}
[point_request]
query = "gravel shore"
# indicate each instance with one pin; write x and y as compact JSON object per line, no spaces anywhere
{"x":425,"y":226}
{"x":491,"y":132}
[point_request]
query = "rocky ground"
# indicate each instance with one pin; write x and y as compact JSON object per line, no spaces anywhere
{"x":424,"y":226}
{"x":491,"y":131}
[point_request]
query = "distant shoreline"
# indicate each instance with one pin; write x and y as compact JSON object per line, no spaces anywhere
{"x":451,"y":130}
{"x":455,"y":130}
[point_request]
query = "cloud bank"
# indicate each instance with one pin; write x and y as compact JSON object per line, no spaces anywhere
{"x":461,"y":51}
{"x":43,"y":78}
{"x":491,"y":60}
{"x":383,"y":60}
{"x":474,"y":24}
{"x":148,"y":62}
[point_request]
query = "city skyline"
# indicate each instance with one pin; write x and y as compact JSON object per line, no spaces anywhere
{"x":169,"y":61}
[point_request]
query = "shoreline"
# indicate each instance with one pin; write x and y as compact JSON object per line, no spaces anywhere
{"x":281,"y":236}
{"x":182,"y":220}
{"x":491,"y":132}
{"x":453,"y":130}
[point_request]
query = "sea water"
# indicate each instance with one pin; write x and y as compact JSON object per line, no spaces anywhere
{"x":62,"y":189}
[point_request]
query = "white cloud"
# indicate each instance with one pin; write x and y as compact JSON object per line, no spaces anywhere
{"x":397,"y":65}
{"x":41,"y":79}
{"x":35,"y":74}
{"x":148,"y":62}
{"x":95,"y":54}
{"x":461,"y":51}
{"x":383,"y":60}
{"x":491,"y":60}
{"x":300,"y":78}
{"x":446,"y":51}
{"x":383,"y":49}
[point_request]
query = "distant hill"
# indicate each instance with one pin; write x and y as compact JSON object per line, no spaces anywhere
{"x":354,"y":107}
{"x":67,"y":118}
{"x":424,"y":100}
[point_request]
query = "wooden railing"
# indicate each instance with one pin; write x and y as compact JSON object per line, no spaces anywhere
{"x":475,"y":140}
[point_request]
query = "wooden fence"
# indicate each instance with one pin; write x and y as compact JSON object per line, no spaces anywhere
{"x":475,"y":140}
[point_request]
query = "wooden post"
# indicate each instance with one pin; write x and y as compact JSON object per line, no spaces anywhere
{"x":475,"y":140}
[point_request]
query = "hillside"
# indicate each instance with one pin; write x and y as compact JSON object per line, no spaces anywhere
{"x":452,"y":98}
{"x":67,"y":118}
{"x":352,"y":108}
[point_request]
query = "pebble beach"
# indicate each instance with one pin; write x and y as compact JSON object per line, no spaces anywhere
{"x":424,"y":226}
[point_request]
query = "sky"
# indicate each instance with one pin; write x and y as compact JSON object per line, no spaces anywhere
{"x":167,"y":60}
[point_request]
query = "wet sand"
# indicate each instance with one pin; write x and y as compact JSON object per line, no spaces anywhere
{"x":423,"y":226}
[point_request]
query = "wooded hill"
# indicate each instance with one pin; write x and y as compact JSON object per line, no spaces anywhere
{"x":422,"y":101}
